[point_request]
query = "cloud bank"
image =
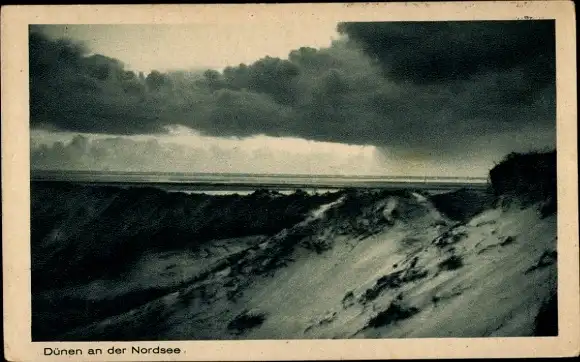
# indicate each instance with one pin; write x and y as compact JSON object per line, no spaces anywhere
{"x":413,"y":90}
{"x":185,"y":151}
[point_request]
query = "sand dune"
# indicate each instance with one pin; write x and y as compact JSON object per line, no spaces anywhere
{"x":352,"y":264}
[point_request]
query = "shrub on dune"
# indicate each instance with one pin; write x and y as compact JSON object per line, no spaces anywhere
{"x":529,"y":177}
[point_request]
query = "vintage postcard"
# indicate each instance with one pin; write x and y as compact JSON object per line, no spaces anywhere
{"x":289,"y":182}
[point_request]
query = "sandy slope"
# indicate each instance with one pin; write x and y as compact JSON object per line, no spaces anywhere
{"x":364,"y":265}
{"x":491,"y":294}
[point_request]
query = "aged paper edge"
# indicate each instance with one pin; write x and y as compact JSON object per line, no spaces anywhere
{"x":16,"y":167}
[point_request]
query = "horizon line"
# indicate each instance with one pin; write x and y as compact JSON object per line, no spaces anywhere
{"x":193,"y":173}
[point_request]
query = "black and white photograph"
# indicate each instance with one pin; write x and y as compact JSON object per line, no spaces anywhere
{"x":218,"y":181}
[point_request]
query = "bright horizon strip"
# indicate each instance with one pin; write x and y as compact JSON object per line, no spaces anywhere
{"x":256,"y":155}
{"x":40,"y":173}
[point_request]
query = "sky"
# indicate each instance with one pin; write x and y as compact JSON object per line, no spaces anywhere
{"x":190,"y":46}
{"x":423,"y":98}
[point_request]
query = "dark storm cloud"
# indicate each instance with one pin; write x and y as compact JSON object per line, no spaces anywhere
{"x":432,"y":88}
{"x":465,"y":79}
{"x":425,"y":52}
{"x":74,"y":91}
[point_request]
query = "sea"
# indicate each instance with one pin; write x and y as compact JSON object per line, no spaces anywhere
{"x":228,"y":183}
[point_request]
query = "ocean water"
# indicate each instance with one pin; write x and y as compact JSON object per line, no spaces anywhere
{"x":245,"y":183}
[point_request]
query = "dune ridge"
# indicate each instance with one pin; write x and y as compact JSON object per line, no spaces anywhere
{"x":145,"y":264}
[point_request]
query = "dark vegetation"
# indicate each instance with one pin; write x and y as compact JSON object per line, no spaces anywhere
{"x":81,"y":233}
{"x":392,"y":281}
{"x":507,"y":241}
{"x":546,"y":323}
{"x":463,"y":204}
{"x":450,"y":236}
{"x":80,"y":311}
{"x":317,"y":244}
{"x":348,"y":300}
{"x":358,"y":213}
{"x":530,"y":177}
{"x":451,"y":263}
{"x":548,"y":257}
{"x":526,"y":177}
{"x":246,"y":320}
{"x":395,"y":312}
